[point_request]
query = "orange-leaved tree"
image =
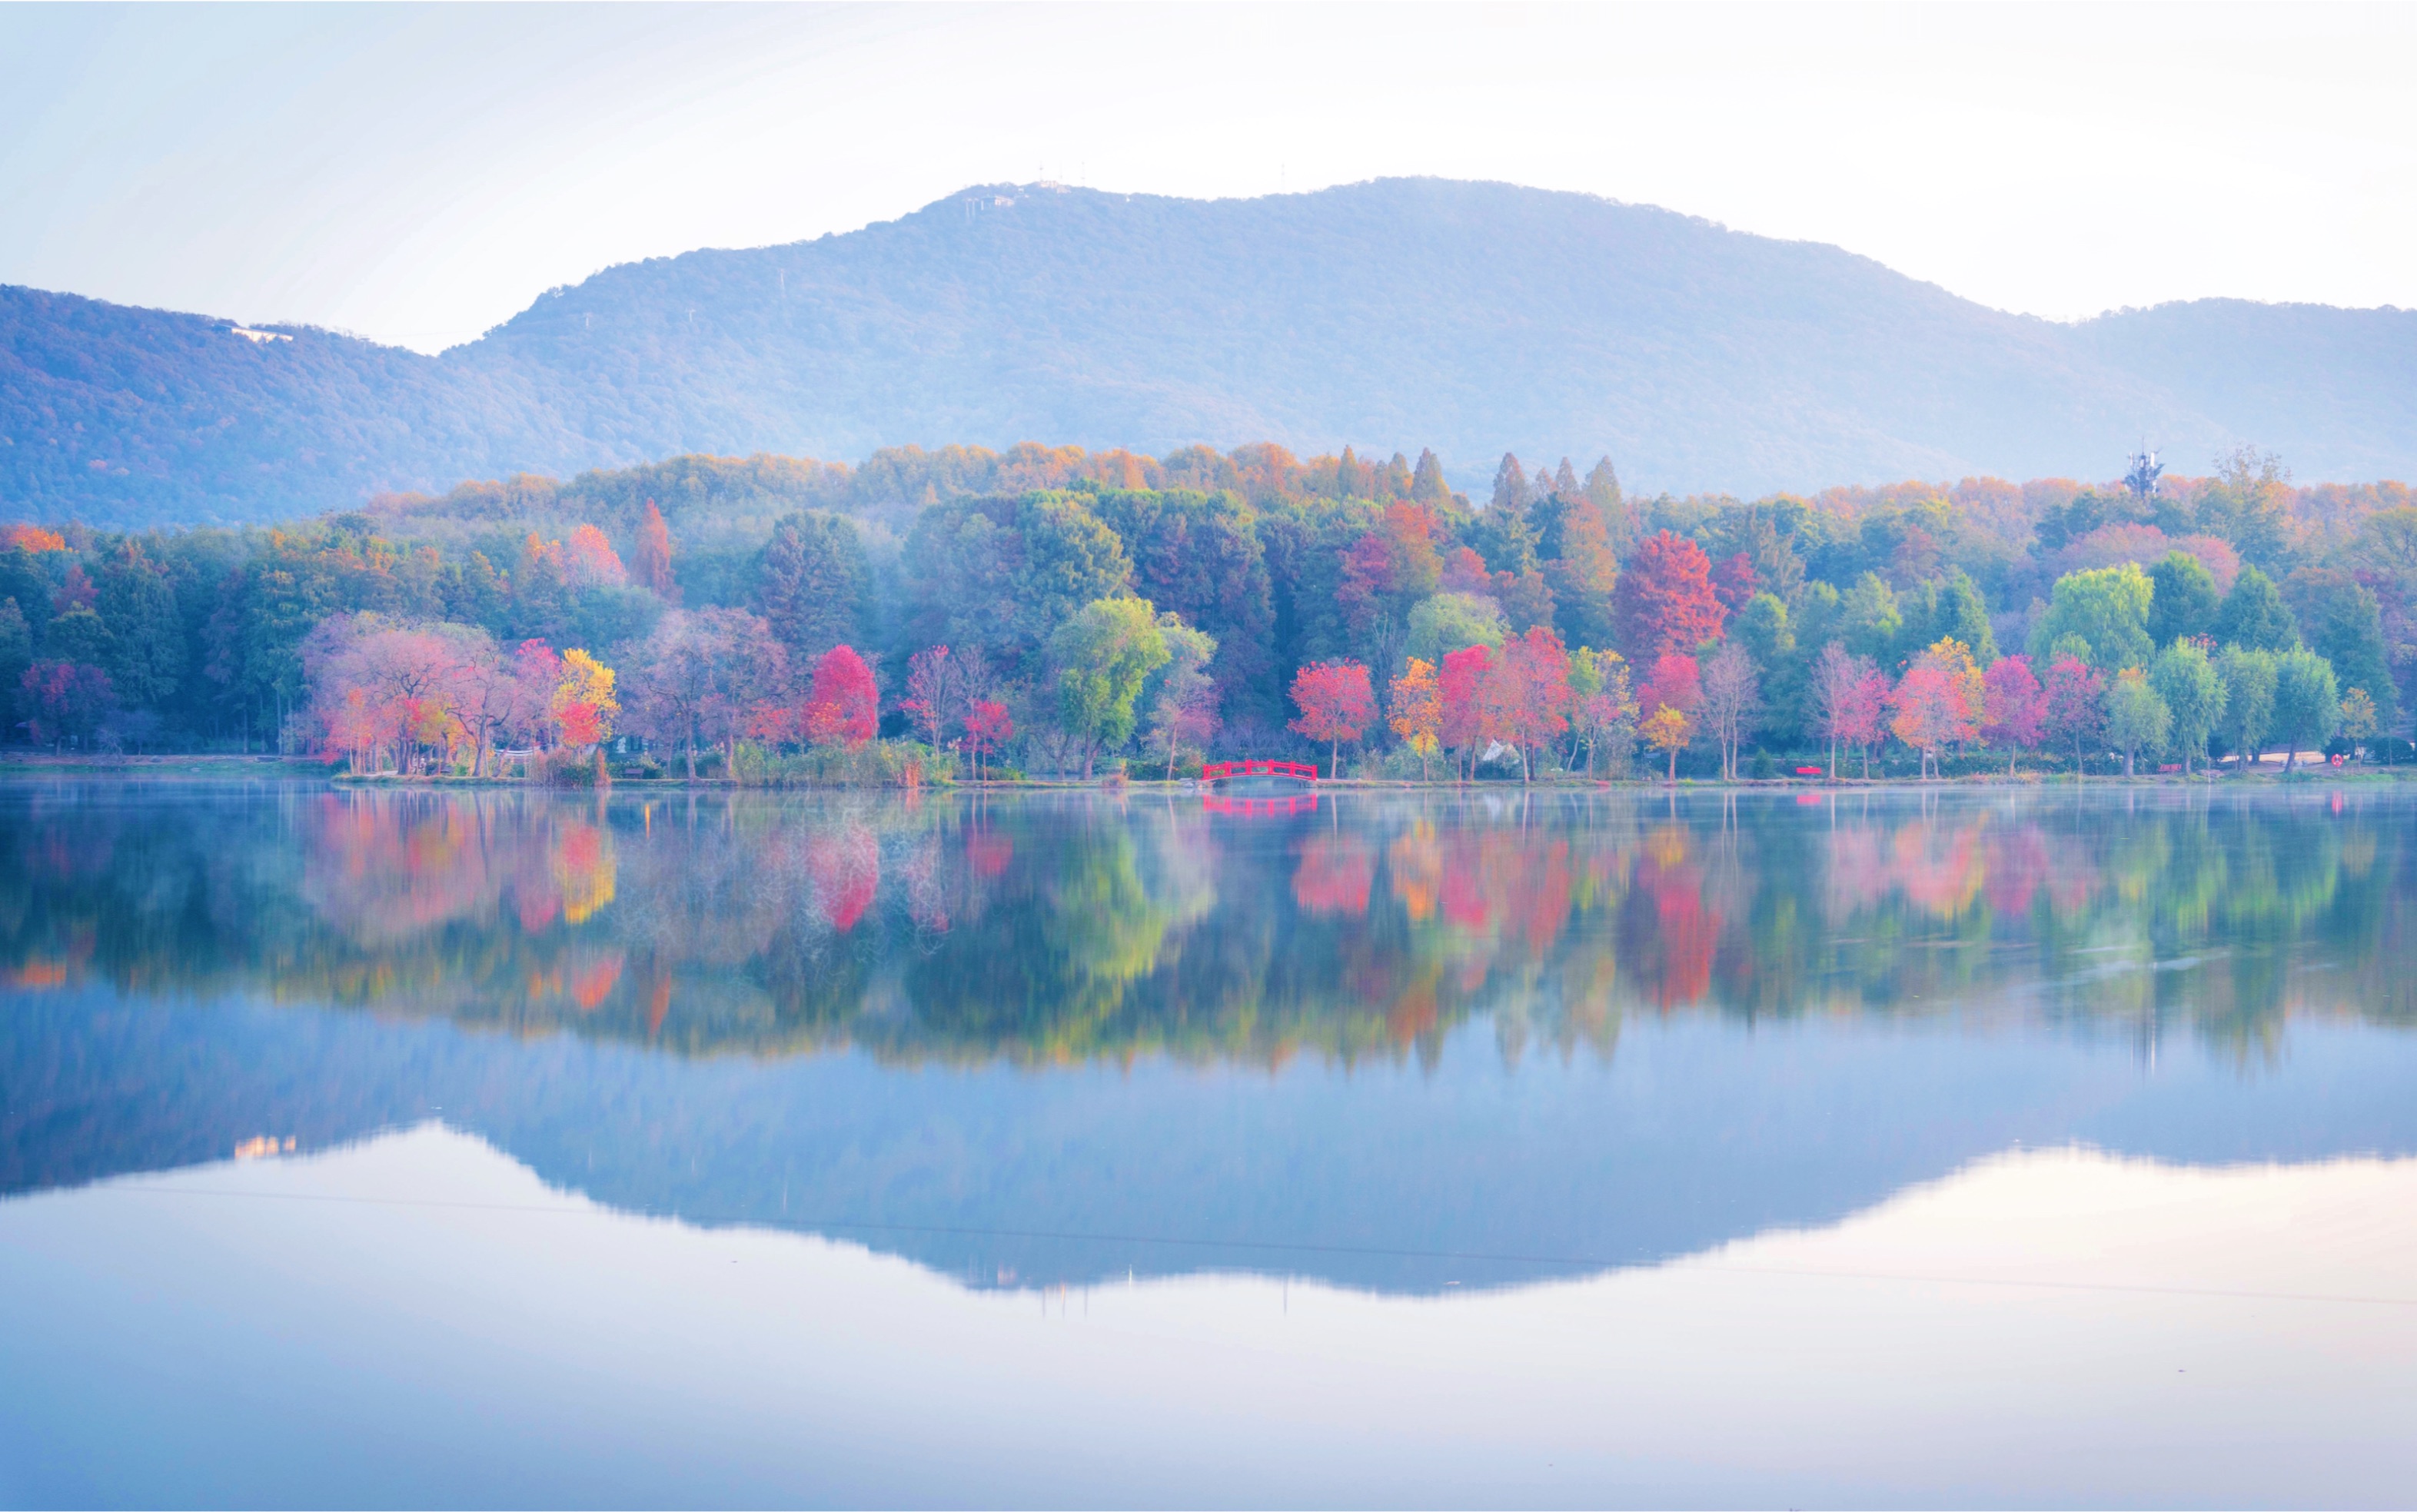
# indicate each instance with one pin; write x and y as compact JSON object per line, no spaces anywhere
{"x":1938,"y":699}
{"x":590,"y":560}
{"x":1666,"y":602}
{"x":1418,"y":711}
{"x":655,"y":554}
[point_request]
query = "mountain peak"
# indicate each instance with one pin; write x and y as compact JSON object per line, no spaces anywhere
{"x":1469,"y":316}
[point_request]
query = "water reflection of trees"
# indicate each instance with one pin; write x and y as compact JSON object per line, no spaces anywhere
{"x":1051,"y":929}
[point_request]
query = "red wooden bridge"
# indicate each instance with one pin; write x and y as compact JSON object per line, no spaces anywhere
{"x":1212,"y":771}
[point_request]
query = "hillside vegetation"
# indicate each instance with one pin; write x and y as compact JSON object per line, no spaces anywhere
{"x":1387,"y":315}
{"x":1060,"y":608}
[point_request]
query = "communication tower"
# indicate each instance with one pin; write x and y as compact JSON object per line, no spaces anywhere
{"x":2142,"y":479}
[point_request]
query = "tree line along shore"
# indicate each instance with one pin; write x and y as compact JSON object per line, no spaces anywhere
{"x":958,"y":614}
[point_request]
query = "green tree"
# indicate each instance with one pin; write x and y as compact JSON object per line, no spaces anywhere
{"x":2186,"y":598}
{"x":2193,"y":695}
{"x":1426,"y":484}
{"x":2248,"y":504}
{"x":1199,"y":555}
{"x":1762,"y":627}
{"x":2136,"y":717}
{"x":2107,"y":607}
{"x":2344,"y":624}
{"x":1100,"y":660}
{"x":1869,"y":621}
{"x":540,"y":596}
{"x":1814,"y":614}
{"x":147,"y":634}
{"x":1003,"y":574}
{"x":472,"y":593}
{"x":2254,"y":615}
{"x":16,"y":650}
{"x":1506,"y":538}
{"x":812,"y":584}
{"x":81,"y":637}
{"x":1449,"y":622}
{"x":2248,"y":697}
{"x":1951,"y":608}
{"x":611,"y":615}
{"x":2307,"y":702}
{"x":1180,"y":698}
{"x":2358,"y":718}
{"x":21,"y":578}
{"x":1583,"y":571}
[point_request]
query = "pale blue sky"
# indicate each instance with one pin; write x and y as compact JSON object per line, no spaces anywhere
{"x":420,"y":174}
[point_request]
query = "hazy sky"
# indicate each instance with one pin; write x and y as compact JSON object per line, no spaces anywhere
{"x":420,"y":174}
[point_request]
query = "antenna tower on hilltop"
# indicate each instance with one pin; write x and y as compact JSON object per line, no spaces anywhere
{"x":2142,"y":479}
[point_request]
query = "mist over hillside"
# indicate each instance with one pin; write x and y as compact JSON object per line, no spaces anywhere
{"x":1471,"y":318}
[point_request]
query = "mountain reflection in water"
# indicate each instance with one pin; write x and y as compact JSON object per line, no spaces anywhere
{"x":1400,"y":1041}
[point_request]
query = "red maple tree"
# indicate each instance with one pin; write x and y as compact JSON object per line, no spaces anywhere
{"x":1525,"y":699}
{"x":1336,"y":704}
{"x":1734,"y":581}
{"x":845,"y":703}
{"x":2070,"y":699}
{"x":1464,"y":673}
{"x":2015,"y":706}
{"x":988,"y":726}
{"x":1665,"y":601}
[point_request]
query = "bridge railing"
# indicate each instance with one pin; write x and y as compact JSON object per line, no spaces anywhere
{"x":1211,"y":771}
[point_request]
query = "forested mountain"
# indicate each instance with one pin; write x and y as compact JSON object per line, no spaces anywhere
{"x":1395,"y":315}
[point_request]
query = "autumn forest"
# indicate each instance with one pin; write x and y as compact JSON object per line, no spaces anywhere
{"x":944,"y":614}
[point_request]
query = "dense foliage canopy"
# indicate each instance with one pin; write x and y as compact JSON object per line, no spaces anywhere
{"x":1108,"y":605}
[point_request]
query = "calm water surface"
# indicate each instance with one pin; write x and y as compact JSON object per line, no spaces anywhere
{"x":1980,"y":1147}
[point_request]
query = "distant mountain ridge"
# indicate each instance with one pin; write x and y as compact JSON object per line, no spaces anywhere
{"x":1471,"y":317}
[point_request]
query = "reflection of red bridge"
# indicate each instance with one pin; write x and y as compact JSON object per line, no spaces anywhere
{"x":1211,"y":771}
{"x":1302,"y":802}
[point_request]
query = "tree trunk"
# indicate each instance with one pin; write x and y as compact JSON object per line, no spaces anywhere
{"x":692,"y":750}
{"x":2127,"y":761}
{"x":1332,"y":747}
{"x":1674,"y":766}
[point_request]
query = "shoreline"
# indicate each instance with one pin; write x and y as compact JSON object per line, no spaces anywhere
{"x":222,"y":767}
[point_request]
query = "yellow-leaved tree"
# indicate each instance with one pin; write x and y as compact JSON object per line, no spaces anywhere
{"x":1417,"y":719}
{"x":584,"y":701}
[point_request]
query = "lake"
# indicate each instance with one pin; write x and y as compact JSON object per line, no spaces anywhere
{"x":1976,"y":1146}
